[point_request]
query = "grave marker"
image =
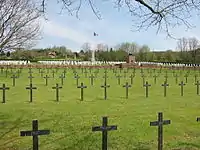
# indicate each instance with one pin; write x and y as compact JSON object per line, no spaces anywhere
{"x":165,"y":85}
{"x":182,"y":84}
{"x":31,"y":88}
{"x":14,"y":77}
{"x":62,"y":76}
{"x":105,"y":86}
{"x":186,"y":78}
{"x":4,"y":88}
{"x":104,"y":129}
{"x":160,"y":124}
{"x":77,"y":77}
{"x":197,"y":84}
{"x":127,"y":86}
{"x":31,"y":78}
{"x":82,"y":87}
{"x":155,"y":78}
{"x":147,"y":88}
{"x":46,"y":79}
{"x":131,"y":77}
{"x":35,"y":133}
{"x":57,"y":88}
{"x":92,"y":79}
{"x":119,"y":78}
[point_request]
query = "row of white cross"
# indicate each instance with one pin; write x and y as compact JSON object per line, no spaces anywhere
{"x":14,"y":62}
{"x":68,"y":62}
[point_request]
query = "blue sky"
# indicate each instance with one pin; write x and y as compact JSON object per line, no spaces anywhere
{"x":114,"y":28}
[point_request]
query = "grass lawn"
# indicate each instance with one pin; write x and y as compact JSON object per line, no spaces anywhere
{"x":70,"y":120}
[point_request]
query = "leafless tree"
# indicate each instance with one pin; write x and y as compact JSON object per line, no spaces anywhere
{"x":86,"y":47}
{"x":19,"y":23}
{"x":182,"y":44}
{"x":193,"y":44}
{"x":164,"y":14}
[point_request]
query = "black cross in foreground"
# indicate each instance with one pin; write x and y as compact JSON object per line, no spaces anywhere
{"x":147,"y":88}
{"x":4,"y":88}
{"x":165,"y":85}
{"x":35,"y":133}
{"x":31,"y":88}
{"x":82,"y":87}
{"x":57,"y":87}
{"x":182,"y":84}
{"x":197,"y":84}
{"x":160,"y":124}
{"x":104,"y":129}
{"x":14,"y":77}
{"x":126,"y":86}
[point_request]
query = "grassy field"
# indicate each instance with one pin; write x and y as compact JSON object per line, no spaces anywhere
{"x":70,"y":120}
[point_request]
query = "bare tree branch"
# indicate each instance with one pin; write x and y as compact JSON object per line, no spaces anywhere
{"x":163,"y":14}
{"x":19,"y":23}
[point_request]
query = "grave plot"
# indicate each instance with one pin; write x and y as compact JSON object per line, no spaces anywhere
{"x":73,"y":106}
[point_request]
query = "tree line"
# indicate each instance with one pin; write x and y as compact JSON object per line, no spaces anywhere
{"x":187,"y":51}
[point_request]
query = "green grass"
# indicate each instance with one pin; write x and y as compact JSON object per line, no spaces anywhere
{"x":70,"y":120}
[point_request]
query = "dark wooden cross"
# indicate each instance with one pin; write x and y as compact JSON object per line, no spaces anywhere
{"x":105,"y":86}
{"x":166,"y":77}
{"x":82,"y":86}
{"x":85,"y":73}
{"x":131,"y":77}
{"x":14,"y":77}
{"x":119,"y":78}
{"x":127,"y":86}
{"x":30,"y":71}
{"x":53,"y":73}
{"x":104,"y":129}
{"x":197,"y":84}
{"x":143,"y":78}
{"x":146,"y":85}
{"x":57,"y":88}
{"x":62,"y":76}
{"x":31,"y":78}
{"x":46,"y":79}
{"x":64,"y":72}
{"x":77,"y":77}
{"x":195,"y":78}
{"x":4,"y":88}
{"x":165,"y":85}
{"x":155,"y":78}
{"x":31,"y":88}
{"x":92,"y":79}
{"x":105,"y":77}
{"x":35,"y":133}
{"x":160,"y":124}
{"x":182,"y":84}
{"x":186,"y":78}
{"x":176,"y":78}
{"x":41,"y":73}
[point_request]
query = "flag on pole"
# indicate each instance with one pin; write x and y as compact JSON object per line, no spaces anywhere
{"x":95,"y":34}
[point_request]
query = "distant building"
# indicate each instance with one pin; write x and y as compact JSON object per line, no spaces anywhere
{"x":52,"y":54}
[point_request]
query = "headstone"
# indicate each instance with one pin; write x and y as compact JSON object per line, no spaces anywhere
{"x":160,"y":124}
{"x":4,"y":88}
{"x":127,"y":86}
{"x":82,"y":86}
{"x":57,"y":88}
{"x":31,"y":88}
{"x":35,"y":133}
{"x":104,"y":129}
{"x":165,"y":85}
{"x":146,"y":85}
{"x":182,"y":84}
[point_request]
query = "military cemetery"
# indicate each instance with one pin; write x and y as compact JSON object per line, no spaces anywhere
{"x":79,"y":75}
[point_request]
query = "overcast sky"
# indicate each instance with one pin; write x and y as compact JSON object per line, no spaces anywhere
{"x":114,"y":28}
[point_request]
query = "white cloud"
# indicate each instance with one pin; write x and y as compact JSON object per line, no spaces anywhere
{"x":57,"y":30}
